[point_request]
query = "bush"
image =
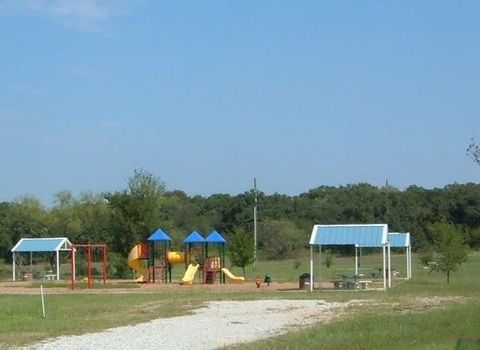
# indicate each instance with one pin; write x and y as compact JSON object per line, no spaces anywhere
{"x":118,"y":266}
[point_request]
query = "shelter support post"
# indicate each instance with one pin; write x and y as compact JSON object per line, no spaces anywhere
{"x":356,"y":261}
{"x":389,"y":267}
{"x":384,"y":270}
{"x":409,"y":252}
{"x":58,"y":265}
{"x":311,"y":268}
{"x":408,"y":266}
{"x":13,"y":267}
{"x":319,"y":266}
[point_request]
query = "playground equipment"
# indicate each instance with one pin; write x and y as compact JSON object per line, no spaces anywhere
{"x":159,"y":265}
{"x":94,"y":253}
{"x":214,"y":265}
{"x":232,"y":277}
{"x":136,"y":260}
{"x":139,"y":260}
{"x":148,"y":264}
{"x":190,"y":274}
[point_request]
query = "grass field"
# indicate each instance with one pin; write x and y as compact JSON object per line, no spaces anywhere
{"x":454,"y":326}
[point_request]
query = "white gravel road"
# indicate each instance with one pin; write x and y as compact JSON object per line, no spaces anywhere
{"x":215,"y":325}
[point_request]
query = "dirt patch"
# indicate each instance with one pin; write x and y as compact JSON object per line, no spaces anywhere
{"x":115,"y":287}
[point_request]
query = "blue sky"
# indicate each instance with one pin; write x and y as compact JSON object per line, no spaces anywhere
{"x":208,"y":94}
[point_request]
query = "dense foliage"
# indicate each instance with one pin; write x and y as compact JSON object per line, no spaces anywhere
{"x":122,"y":219}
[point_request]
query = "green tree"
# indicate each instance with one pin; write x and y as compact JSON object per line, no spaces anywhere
{"x":240,"y":248}
{"x":136,"y":211}
{"x":63,"y":218}
{"x":473,"y":151}
{"x":280,"y":238}
{"x":449,"y":247}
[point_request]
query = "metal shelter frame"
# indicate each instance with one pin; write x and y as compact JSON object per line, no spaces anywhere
{"x":41,"y":245}
{"x":358,"y":235}
{"x":402,"y":240}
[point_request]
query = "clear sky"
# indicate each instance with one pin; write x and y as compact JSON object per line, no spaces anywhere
{"x":208,"y":94}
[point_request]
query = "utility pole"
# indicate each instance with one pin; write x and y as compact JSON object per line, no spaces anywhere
{"x":255,"y":225}
{"x":386,"y":201}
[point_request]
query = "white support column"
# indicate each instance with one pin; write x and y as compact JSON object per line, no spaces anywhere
{"x":384,"y":270}
{"x":356,"y":261}
{"x":408,"y":267}
{"x":58,"y":265}
{"x":311,"y":268}
{"x":319,"y":264}
{"x":409,"y":250}
{"x":389,"y":267}
{"x":13,"y":267}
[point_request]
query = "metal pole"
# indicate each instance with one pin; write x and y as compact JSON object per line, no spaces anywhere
{"x":409,"y":250}
{"x":384,"y":270}
{"x":58,"y":265}
{"x":311,"y":268}
{"x":356,"y":261}
{"x":72,"y":268}
{"x":255,"y":225}
{"x":389,"y":267}
{"x":13,"y":266}
{"x":319,"y":266}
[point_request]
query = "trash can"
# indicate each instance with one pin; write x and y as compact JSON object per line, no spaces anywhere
{"x":267,"y":279}
{"x":304,"y":281}
{"x":27,"y":276}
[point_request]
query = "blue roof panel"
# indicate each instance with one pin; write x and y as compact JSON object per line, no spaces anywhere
{"x":194,"y":237}
{"x":374,"y":235}
{"x":215,"y":237}
{"x":399,"y":240}
{"x":41,"y":244}
{"x":159,"y":235}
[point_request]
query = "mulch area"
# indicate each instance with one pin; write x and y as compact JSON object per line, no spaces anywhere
{"x":115,"y":287}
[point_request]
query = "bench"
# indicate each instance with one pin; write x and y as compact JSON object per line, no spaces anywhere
{"x":50,"y":277}
{"x":364,"y":284}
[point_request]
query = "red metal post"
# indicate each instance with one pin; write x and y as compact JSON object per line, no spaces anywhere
{"x":89,"y":265}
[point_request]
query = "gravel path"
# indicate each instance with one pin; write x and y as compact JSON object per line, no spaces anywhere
{"x":215,"y":325}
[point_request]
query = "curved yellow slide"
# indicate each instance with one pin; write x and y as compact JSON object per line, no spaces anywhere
{"x":190,"y":274}
{"x":135,"y":263}
{"x":236,"y":279}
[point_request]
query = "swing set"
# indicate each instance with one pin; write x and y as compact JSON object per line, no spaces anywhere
{"x":93,"y":254}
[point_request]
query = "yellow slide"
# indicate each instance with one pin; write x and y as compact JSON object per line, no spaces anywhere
{"x":135,"y":263}
{"x":190,"y":274}
{"x":235,"y":279}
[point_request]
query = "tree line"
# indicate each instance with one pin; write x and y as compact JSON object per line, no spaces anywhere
{"x":126,"y":217}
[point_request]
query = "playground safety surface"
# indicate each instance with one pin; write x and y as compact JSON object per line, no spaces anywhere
{"x":126,"y":286}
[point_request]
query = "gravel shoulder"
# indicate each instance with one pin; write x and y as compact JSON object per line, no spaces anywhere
{"x":217,"y":324}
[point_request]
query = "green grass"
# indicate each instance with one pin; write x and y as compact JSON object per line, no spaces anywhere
{"x":21,"y":317}
{"x":455,"y":326}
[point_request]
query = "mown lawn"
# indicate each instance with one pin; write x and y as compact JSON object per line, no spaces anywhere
{"x":455,"y":326}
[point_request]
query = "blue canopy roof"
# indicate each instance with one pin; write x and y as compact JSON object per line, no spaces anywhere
{"x":159,"y":235}
{"x":399,"y":240}
{"x":194,"y":237}
{"x":215,"y":237}
{"x":366,"y":235}
{"x":42,"y":245}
